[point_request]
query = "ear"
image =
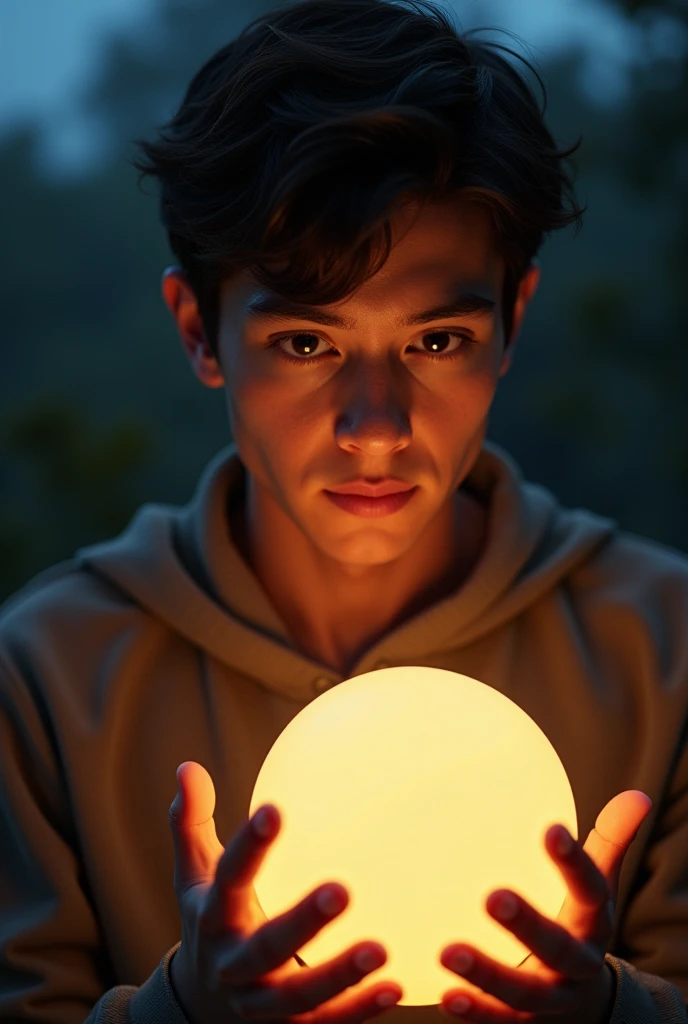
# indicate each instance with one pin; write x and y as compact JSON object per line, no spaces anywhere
{"x":526,"y":290}
{"x":182,"y":303}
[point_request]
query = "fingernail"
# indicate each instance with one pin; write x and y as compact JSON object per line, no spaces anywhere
{"x":262,"y":823}
{"x":507,"y":907}
{"x":386,"y":998}
{"x":563,"y":843}
{"x":461,"y":962}
{"x":329,"y":901}
{"x":369,"y":959}
{"x":459,"y":1004}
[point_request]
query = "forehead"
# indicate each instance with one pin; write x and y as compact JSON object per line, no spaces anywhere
{"x":433,"y":248}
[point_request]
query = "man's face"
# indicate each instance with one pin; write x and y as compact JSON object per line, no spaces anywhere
{"x":316,"y":405}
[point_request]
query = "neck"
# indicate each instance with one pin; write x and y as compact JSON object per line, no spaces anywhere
{"x":335,"y":611}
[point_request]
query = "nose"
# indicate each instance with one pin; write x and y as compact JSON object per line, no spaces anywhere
{"x":374,"y":419}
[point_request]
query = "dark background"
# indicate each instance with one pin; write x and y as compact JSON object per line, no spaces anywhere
{"x":100,"y":412}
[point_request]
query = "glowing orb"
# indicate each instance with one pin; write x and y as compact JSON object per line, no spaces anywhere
{"x":421,"y":791}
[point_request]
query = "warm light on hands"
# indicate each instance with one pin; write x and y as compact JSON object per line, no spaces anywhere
{"x":565,"y":976}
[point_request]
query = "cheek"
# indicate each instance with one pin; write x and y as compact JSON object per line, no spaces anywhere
{"x":462,"y":401}
{"x":251,"y":394}
{"x":274,"y":425}
{"x":483,"y":387}
{"x":251,"y":412}
{"x":269,"y":405}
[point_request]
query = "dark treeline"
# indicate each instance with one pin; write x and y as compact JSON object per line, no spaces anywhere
{"x":99,"y":411}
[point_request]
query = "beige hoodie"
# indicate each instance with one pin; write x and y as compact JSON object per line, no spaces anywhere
{"x":160,"y":647}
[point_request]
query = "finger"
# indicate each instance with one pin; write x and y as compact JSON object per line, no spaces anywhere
{"x":477,"y":1008}
{"x":357,"y":1007}
{"x":586,"y":884}
{"x":588,"y":910}
{"x":277,"y":940}
{"x":196,"y":846}
{"x":232,"y":885}
{"x":550,"y":942}
{"x":307,"y":990}
{"x":510,"y":985}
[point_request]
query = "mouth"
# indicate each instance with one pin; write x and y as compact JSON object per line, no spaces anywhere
{"x":372,"y":505}
{"x":370,"y":489}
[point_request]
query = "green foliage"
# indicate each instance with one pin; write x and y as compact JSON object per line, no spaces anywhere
{"x":78,"y":485}
{"x":71,"y":464}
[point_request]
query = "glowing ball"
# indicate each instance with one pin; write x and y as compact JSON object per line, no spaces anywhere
{"x":422,"y":791}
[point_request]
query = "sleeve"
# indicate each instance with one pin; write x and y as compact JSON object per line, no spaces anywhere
{"x":650,"y":953}
{"x":153,"y":1003}
{"x":53,"y":965}
{"x":643,"y":998}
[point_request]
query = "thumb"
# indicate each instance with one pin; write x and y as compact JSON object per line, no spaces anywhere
{"x":196,"y":846}
{"x":615,"y":829}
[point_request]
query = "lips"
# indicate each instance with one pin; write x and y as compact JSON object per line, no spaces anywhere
{"x":373,"y":507}
{"x":380,"y":489}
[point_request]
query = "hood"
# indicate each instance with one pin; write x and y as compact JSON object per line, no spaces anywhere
{"x":179,"y":563}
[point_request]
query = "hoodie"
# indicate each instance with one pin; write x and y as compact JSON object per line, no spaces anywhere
{"x":159,"y":646}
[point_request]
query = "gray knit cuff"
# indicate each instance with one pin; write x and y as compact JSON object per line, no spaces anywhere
{"x":155,"y":1002}
{"x":644,"y":998}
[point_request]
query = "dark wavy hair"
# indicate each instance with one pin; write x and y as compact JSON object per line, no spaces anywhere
{"x":296,"y":141}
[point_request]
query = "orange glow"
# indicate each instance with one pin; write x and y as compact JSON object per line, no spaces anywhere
{"x":422,"y":791}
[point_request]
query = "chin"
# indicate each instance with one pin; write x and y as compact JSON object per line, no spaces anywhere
{"x":373,"y":549}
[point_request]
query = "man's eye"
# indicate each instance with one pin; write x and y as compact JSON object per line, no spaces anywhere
{"x":445,"y":342}
{"x":302,"y":346}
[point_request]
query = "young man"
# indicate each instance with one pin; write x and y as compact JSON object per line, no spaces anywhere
{"x":355,"y":194}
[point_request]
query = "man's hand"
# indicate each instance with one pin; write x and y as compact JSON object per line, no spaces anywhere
{"x":233,"y":964}
{"x":565,"y":977}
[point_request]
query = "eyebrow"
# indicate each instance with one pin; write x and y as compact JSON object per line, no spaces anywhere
{"x":274,"y":307}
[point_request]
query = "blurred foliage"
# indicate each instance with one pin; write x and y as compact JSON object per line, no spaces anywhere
{"x":100,"y":411}
{"x":88,"y":484}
